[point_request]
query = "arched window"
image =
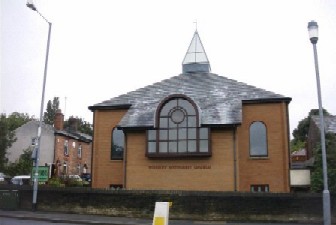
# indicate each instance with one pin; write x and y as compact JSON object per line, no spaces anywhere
{"x":178,"y":132}
{"x":258,"y":139}
{"x":117,"y":145}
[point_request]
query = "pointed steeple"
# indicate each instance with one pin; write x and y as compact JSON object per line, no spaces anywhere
{"x":196,"y":60}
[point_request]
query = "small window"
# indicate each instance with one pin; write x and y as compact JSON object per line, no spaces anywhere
{"x":65,"y":168}
{"x":79,"y":151}
{"x":79,"y":168}
{"x":258,"y":140}
{"x":117,"y":151}
{"x":116,"y":186}
{"x":66,"y":147}
{"x":34,"y":141}
{"x":259,"y":188}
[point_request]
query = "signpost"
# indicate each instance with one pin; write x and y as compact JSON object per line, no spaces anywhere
{"x":43,"y":173}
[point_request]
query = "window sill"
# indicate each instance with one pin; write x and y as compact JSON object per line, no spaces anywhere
{"x":259,"y":157}
{"x":175,"y":156}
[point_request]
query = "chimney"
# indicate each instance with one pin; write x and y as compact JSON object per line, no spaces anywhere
{"x":73,"y":123}
{"x":59,"y":120}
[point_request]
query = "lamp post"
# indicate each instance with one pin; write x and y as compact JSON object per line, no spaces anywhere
{"x":313,"y":35}
{"x":31,"y":5}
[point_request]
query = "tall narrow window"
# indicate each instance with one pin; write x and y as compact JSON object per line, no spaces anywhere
{"x":66,"y":147}
{"x":65,"y":167}
{"x":79,"y":151}
{"x":117,"y":151}
{"x":178,"y":132}
{"x":78,"y":168}
{"x":258,"y":140}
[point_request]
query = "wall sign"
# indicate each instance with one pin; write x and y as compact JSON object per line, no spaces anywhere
{"x":180,"y":167}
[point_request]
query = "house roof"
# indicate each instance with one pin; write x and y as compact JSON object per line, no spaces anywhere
{"x":301,"y":152}
{"x":218,"y":98}
{"x":75,"y":135}
{"x":329,"y":123}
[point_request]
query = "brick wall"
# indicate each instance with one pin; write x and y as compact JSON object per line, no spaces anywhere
{"x":228,"y":206}
{"x":72,"y":159}
{"x":106,"y":172}
{"x":274,"y":169}
{"x":213,"y":173}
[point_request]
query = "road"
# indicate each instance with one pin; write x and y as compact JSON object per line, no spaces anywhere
{"x":12,"y":221}
{"x":17,"y":221}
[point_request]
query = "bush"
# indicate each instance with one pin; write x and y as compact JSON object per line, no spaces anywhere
{"x":55,"y":182}
{"x":74,"y":183}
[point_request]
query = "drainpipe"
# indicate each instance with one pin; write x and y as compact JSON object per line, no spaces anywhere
{"x":125,"y":161}
{"x":234,"y":158}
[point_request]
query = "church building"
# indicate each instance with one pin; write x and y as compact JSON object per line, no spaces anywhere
{"x":196,"y":131}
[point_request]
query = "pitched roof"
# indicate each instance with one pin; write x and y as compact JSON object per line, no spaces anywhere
{"x":329,"y":123}
{"x":218,"y":98}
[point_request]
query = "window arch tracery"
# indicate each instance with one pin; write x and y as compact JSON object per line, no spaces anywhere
{"x":178,"y":132}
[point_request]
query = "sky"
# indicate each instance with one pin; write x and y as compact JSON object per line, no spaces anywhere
{"x":101,"y":49}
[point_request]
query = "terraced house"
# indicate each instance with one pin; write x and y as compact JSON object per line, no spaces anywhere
{"x":195,"y":131}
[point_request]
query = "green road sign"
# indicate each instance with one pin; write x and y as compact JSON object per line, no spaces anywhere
{"x":43,"y":173}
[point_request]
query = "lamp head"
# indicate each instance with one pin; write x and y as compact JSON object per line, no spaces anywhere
{"x":313,"y":31}
{"x":30,"y":4}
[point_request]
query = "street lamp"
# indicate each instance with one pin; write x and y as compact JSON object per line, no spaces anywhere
{"x":313,"y":36}
{"x":31,"y":5}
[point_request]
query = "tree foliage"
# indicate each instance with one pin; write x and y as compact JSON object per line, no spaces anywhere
{"x":23,"y":165}
{"x":301,"y":132}
{"x":317,"y":171}
{"x":52,"y":107}
{"x":7,"y":132}
{"x":82,"y":125}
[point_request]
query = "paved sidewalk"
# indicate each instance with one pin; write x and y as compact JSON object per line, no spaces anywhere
{"x":106,"y":220}
{"x":73,"y":218}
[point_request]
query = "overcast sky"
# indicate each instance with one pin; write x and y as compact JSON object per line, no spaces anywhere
{"x":101,"y":49}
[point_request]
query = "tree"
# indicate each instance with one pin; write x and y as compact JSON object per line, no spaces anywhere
{"x":23,"y":165}
{"x":301,"y":132}
{"x":7,"y":137}
{"x":52,"y":107}
{"x":317,"y":171}
{"x":16,"y":120}
{"x":7,"y":132}
{"x":82,"y":125}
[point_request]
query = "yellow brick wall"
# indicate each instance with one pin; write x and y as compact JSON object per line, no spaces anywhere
{"x":215,"y":173}
{"x":208,"y":174}
{"x":273,"y":170}
{"x":105,"y":171}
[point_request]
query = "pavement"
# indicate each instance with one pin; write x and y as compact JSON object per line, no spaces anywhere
{"x":53,"y":217}
{"x":69,"y":218}
{"x":72,"y":218}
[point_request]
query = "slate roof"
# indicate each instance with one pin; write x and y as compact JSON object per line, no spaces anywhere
{"x":329,"y":123}
{"x":75,"y":135}
{"x":218,"y":98}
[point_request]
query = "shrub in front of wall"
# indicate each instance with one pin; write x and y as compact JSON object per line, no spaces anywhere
{"x":55,"y":182}
{"x":74,"y":183}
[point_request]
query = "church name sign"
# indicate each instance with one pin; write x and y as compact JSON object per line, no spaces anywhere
{"x":180,"y":167}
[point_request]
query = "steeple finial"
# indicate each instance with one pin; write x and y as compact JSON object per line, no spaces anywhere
{"x":196,"y":59}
